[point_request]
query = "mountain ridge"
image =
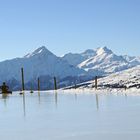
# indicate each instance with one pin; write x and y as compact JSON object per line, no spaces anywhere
{"x":40,"y":62}
{"x":69,"y":69}
{"x":102,"y":62}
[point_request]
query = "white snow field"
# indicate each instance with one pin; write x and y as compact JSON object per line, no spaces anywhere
{"x":128,"y":78}
{"x":69,"y":115}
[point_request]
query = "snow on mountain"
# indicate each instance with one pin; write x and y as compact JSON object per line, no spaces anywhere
{"x":123,"y":80}
{"x":105,"y":62}
{"x":42,"y":50}
{"x":104,"y":50}
{"x":68,"y":69}
{"x":132,"y":59}
{"x":40,"y":62}
{"x":129,"y":78}
{"x":101,"y":61}
{"x":76,"y":58}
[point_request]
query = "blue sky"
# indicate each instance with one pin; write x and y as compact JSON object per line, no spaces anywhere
{"x":69,"y":26}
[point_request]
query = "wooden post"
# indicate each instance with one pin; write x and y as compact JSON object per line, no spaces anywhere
{"x":31,"y":88}
{"x":22,"y":74}
{"x":96,"y":82}
{"x":55,"y":83}
{"x":38,"y":84}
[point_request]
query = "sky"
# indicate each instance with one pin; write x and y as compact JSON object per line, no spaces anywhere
{"x":69,"y":26}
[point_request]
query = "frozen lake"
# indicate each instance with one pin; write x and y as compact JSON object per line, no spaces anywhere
{"x":50,"y":116}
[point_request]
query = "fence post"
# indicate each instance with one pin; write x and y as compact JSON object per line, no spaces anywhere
{"x":31,"y":88}
{"x":96,"y":82}
{"x":55,"y":83}
{"x":38,"y":84}
{"x":22,"y":74}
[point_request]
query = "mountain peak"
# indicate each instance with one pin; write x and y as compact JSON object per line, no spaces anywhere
{"x":103,"y":50}
{"x":40,"y":50}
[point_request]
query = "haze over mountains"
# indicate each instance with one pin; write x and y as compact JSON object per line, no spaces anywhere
{"x":68,"y":69}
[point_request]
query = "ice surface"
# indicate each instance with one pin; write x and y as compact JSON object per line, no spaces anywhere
{"x":69,"y":116}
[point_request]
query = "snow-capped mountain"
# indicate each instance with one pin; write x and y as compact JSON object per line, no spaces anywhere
{"x":101,"y":61}
{"x":40,"y":62}
{"x":69,"y":69}
{"x":77,"y":58}
{"x":125,"y":79}
{"x":129,"y":78}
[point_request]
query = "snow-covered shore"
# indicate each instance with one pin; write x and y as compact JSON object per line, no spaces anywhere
{"x":132,"y":91}
{"x":127,"y":81}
